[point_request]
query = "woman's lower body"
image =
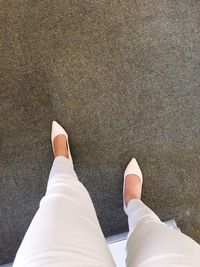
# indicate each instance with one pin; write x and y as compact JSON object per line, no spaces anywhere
{"x":65,"y":231}
{"x":151,"y":243}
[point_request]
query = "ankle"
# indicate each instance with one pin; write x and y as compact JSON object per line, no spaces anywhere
{"x":60,"y":147}
{"x":133,"y":188}
{"x":61,"y":152}
{"x":131,"y":197}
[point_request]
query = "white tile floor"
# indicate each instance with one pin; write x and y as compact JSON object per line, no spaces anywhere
{"x":119,"y":253}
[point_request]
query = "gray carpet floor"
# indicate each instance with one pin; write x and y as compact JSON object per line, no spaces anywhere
{"x":123,"y":78}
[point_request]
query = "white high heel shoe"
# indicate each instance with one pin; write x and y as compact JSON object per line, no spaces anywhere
{"x":132,"y":168}
{"x":56,"y":130}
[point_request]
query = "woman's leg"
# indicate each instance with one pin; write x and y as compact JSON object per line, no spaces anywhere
{"x":151,"y":243}
{"x":65,"y":230}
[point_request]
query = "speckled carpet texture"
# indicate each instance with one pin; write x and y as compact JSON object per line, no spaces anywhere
{"x":123,"y":78}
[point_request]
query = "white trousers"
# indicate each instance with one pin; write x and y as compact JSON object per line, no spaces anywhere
{"x":65,"y":231}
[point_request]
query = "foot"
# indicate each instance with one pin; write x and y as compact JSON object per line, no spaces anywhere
{"x":133,"y":188}
{"x":60,"y":146}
